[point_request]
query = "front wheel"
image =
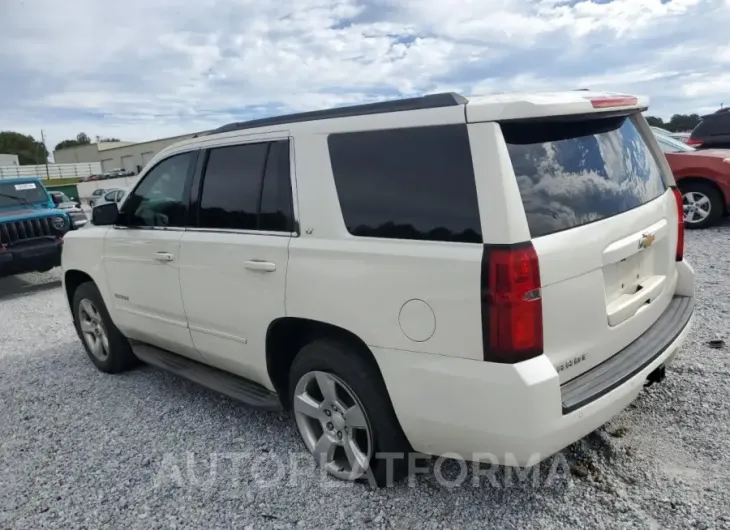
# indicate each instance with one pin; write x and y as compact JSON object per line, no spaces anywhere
{"x":344,"y":415}
{"x":105,"y":345}
{"x":703,"y":205}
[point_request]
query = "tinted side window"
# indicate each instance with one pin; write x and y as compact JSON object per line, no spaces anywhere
{"x":276,"y":196}
{"x":232,"y":187}
{"x":415,"y":183}
{"x":161,"y":197}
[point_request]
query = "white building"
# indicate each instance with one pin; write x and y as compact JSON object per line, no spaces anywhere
{"x":9,"y":160}
{"x":114,"y":155}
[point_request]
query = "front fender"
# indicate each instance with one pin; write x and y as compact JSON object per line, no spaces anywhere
{"x":83,"y":251}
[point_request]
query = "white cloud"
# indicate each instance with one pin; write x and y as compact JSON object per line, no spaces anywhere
{"x":140,"y":69}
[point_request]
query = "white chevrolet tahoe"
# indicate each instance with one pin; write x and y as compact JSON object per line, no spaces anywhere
{"x":493,"y":276}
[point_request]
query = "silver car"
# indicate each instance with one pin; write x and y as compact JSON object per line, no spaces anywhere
{"x":113,"y":195}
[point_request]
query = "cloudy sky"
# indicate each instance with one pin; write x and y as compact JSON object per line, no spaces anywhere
{"x":144,"y":69}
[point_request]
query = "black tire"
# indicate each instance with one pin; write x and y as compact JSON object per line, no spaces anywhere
{"x":717,"y":204}
{"x":120,"y":357}
{"x":364,"y":379}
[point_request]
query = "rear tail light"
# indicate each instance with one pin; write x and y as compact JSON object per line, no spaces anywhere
{"x":693,"y":143}
{"x":511,"y":303}
{"x":614,"y":101}
{"x":680,"y":223}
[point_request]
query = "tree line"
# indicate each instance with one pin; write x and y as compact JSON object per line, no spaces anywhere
{"x":33,"y":152}
{"x":677,"y":123}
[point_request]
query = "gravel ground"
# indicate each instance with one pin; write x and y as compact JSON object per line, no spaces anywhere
{"x":80,"y":449}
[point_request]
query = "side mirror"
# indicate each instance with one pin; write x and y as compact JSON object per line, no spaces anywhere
{"x":105,"y":214}
{"x":56,"y":199}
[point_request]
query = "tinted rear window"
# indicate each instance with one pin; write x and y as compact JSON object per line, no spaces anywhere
{"x":571,"y":173}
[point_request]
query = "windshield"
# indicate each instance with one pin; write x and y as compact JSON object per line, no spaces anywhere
{"x":670,"y":145}
{"x":571,"y":173}
{"x":21,"y":193}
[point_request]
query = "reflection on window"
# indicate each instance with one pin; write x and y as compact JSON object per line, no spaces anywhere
{"x":574,"y":173}
{"x":415,"y":183}
{"x":159,"y":200}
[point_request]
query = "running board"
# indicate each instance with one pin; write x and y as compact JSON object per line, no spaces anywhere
{"x":235,"y":387}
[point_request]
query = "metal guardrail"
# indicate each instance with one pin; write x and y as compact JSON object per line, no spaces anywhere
{"x":52,"y":171}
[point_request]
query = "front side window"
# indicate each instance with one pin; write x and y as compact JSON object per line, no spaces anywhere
{"x":574,"y":172}
{"x":247,"y":187}
{"x":414,"y":183}
{"x":111,"y":196}
{"x":160,"y":200}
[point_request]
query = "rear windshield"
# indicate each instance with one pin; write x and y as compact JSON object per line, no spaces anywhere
{"x":21,"y":193}
{"x":571,"y":173}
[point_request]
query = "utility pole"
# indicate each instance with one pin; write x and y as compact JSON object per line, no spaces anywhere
{"x":43,"y":141}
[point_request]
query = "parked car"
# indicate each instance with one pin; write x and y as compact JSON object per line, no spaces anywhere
{"x":95,"y":196}
{"x":31,"y":227}
{"x":119,"y":172}
{"x":72,"y":208}
{"x":713,"y":131}
{"x":703,"y":176}
{"x":681,"y":136}
{"x":490,"y":278}
{"x":114,"y":195}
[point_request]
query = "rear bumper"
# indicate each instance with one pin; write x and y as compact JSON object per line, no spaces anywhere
{"x":516,"y":414}
{"x":30,"y":257}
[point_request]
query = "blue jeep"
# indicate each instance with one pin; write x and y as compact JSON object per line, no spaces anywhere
{"x":31,"y":227}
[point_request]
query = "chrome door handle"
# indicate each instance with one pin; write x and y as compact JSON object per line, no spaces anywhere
{"x":164,"y":256}
{"x":257,"y":265}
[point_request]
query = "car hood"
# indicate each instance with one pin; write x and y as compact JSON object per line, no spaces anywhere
{"x":25,"y":212}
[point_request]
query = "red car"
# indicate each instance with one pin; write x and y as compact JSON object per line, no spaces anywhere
{"x":703,"y":176}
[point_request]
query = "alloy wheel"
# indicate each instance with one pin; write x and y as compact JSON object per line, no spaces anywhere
{"x":93,"y":330}
{"x":697,"y":207}
{"x":333,"y":424}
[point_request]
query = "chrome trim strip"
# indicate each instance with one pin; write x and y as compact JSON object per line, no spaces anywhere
{"x":152,"y":317}
{"x":219,"y":334}
{"x":164,"y":228}
{"x":246,"y":232}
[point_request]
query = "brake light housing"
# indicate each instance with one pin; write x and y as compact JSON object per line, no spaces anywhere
{"x":679,"y":255}
{"x":693,"y":143}
{"x":511,"y":303}
{"x":613,"y":101}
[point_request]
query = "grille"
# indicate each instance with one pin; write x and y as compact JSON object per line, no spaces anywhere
{"x":17,"y":231}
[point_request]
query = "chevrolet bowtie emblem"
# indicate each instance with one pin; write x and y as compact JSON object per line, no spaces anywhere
{"x":646,"y":240}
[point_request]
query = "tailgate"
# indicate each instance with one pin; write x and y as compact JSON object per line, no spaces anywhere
{"x":603,"y":224}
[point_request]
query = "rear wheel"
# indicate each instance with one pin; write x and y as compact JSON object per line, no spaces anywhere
{"x":702,"y":203}
{"x":343,"y":413}
{"x":105,"y":345}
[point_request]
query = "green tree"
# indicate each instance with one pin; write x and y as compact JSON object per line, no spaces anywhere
{"x":109,"y":140}
{"x":683,"y":122}
{"x":656,"y":122}
{"x":81,"y":139}
{"x":29,"y":150}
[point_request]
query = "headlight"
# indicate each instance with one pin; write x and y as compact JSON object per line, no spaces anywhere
{"x":59,"y":223}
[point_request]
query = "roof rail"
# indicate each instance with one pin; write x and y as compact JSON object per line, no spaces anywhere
{"x":431,"y":101}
